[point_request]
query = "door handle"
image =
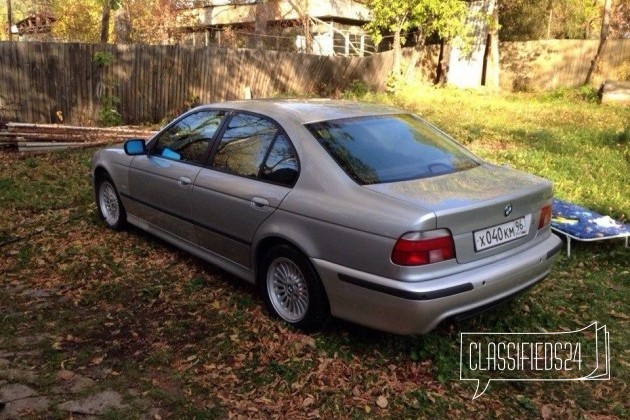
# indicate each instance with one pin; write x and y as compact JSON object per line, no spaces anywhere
{"x":259,"y":202}
{"x":183,"y":181}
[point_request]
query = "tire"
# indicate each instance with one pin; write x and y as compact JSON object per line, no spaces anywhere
{"x":110,"y":207}
{"x":292,"y":290}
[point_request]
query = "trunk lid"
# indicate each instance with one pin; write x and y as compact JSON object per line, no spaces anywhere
{"x":489,"y":209}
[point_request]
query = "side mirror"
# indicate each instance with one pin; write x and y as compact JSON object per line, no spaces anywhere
{"x":135,"y":147}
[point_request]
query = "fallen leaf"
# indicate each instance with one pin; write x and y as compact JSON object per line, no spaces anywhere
{"x":381,"y":401}
{"x":308,"y":401}
{"x":546,"y":411}
{"x":310,"y":342}
{"x":619,"y":315}
{"x":65,"y":375}
{"x":97,"y":360}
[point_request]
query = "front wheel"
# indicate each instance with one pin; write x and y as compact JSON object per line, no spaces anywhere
{"x":292,"y":289}
{"x":110,"y":208}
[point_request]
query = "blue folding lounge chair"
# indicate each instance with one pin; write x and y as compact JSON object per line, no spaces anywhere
{"x":581,"y":224}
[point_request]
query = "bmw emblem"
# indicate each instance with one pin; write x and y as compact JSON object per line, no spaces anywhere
{"x":508,"y":210}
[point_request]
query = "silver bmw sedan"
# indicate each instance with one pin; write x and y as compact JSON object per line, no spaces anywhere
{"x":335,"y":208}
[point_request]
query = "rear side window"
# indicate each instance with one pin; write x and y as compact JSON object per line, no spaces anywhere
{"x":281,"y":165}
{"x":190,"y":138}
{"x":373,"y":150}
{"x":255,"y":147}
{"x":244,"y":145}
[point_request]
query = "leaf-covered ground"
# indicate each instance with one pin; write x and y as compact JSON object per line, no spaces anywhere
{"x":179,"y":338}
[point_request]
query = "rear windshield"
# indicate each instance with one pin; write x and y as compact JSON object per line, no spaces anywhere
{"x":374,"y":150}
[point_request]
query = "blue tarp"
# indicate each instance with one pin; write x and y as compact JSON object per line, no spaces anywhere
{"x":585,"y":224}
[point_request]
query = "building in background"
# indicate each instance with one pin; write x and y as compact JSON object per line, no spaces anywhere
{"x":326,"y":27}
{"x":35,"y":27}
{"x":477,"y":64}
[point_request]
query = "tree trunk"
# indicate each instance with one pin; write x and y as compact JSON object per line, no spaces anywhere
{"x":122,"y":26}
{"x":397,"y":53}
{"x":10,"y":20}
{"x":549,"y":18}
{"x":306,"y":23}
{"x":105,"y":21}
{"x":603,"y":39}
{"x":260,"y":25}
{"x":491,"y":60}
{"x":308,"y":36}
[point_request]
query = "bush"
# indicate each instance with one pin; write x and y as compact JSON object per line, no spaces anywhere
{"x":108,"y":115}
{"x":622,"y":73}
{"x":584,"y":93}
{"x":395,"y":83}
{"x":522,"y":84}
{"x":357,"y":89}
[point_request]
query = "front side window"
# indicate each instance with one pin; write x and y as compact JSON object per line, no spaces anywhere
{"x":189,"y":139}
{"x":380,"y":149}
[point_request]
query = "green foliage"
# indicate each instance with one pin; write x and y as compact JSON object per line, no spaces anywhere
{"x":395,"y":82}
{"x":388,"y":16}
{"x":441,"y":17}
{"x":77,"y":20}
{"x":588,"y":93}
{"x":522,"y":84}
{"x":523,"y":20}
{"x":103,"y":58}
{"x":108,"y":115}
{"x":585,"y":93}
{"x":623,"y":72}
{"x":356,"y":90}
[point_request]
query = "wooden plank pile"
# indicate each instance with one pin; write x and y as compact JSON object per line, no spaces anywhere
{"x":48,"y":137}
{"x":614,"y":91}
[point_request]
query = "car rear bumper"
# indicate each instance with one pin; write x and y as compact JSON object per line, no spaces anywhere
{"x":418,"y":307}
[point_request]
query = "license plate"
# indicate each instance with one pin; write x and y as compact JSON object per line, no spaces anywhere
{"x":503,"y":233}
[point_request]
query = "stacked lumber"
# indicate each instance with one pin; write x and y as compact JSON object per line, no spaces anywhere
{"x":47,"y":137}
{"x":613,"y":91}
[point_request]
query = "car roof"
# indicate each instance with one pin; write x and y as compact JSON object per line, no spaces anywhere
{"x":307,"y":111}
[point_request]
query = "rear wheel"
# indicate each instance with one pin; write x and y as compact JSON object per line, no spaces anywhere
{"x":292,"y":289}
{"x":110,"y":208}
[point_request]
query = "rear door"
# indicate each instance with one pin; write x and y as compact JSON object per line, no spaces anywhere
{"x":161,"y":182}
{"x":253,"y":167}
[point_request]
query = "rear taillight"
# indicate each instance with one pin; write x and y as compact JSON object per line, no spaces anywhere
{"x":419,"y":248}
{"x":545,"y":217}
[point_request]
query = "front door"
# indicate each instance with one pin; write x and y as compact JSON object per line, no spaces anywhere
{"x":161,"y":182}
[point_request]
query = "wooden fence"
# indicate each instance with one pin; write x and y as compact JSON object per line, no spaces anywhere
{"x":550,"y":64}
{"x":51,"y":82}
{"x":54,"y":83}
